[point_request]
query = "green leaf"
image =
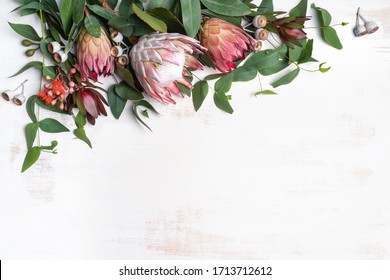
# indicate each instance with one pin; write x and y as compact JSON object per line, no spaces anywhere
{"x":265,"y":92}
{"x":227,"y":8}
{"x":222,"y":102}
{"x":153,"y":22}
{"x":78,"y":13}
{"x":92,"y":25}
{"x":145,"y":104}
{"x":266,"y":7}
{"x":166,"y":4}
{"x":80,"y":134}
{"x":54,"y":108}
{"x":244,"y":74}
{"x":66,"y":13}
{"x":323,"y":69}
{"x":306,"y":52}
{"x":173,"y":23}
{"x":125,"y":75}
{"x":117,"y":103}
{"x":54,"y":32}
{"x":32,"y":64}
{"x":31,"y":157}
{"x":80,"y":120}
{"x":102,"y":12}
{"x":323,"y":15}
{"x":199,"y":93}
{"x":31,"y":133}
{"x":49,"y":71}
{"x":34,"y":6}
{"x":224,"y":84}
{"x":269,"y":62}
{"x":124,"y":24}
{"x":52,"y":126}
{"x":26,"y":31}
{"x":127,"y":92}
{"x":30,"y":108}
{"x":286,"y":79}
{"x":191,"y":15}
{"x":329,"y":35}
{"x":300,"y":9}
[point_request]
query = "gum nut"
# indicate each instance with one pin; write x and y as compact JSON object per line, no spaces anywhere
{"x":54,"y":47}
{"x":261,"y":34}
{"x":259,"y":21}
{"x":371,"y":27}
{"x":123,"y":60}
{"x":257,"y":47}
{"x":116,"y":36}
{"x":359,"y":30}
{"x":60,"y":57}
{"x":7,"y":95}
{"x":116,"y":51}
{"x":19,"y":99}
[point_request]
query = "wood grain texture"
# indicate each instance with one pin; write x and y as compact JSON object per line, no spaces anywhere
{"x":300,"y":175}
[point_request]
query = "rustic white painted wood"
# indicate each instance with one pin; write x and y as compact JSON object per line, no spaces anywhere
{"x":301,"y":175}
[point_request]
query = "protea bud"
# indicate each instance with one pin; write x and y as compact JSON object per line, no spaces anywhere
{"x":160,"y":61}
{"x":94,"y":57}
{"x":290,"y":30}
{"x":226,"y":43}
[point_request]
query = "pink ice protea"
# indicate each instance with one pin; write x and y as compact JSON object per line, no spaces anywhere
{"x":160,"y":61}
{"x":94,"y":56}
{"x":226,"y":43}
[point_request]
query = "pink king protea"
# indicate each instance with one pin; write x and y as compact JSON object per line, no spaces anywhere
{"x":226,"y":43}
{"x":160,"y":61}
{"x":94,"y":55}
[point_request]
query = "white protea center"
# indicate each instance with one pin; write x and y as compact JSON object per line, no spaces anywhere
{"x":160,"y":62}
{"x":169,"y":72}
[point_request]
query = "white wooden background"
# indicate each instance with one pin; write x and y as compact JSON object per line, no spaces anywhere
{"x":301,"y":175}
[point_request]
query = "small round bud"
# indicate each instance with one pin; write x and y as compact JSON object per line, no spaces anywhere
{"x":116,"y":36}
{"x":71,"y":90}
{"x":27,"y":43}
{"x":71,"y":84}
{"x":116,"y":51}
{"x":123,"y":60}
{"x":54,"y":47}
{"x":261,"y":34}
{"x":259,"y":21}
{"x":257,"y":47}
{"x":30,"y":52}
{"x":73,"y":71}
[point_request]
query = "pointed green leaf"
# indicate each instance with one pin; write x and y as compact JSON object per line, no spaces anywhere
{"x":300,"y":9}
{"x":102,"y":12}
{"x":31,"y":157}
{"x":127,"y":92}
{"x":244,"y":74}
{"x":52,"y":126}
{"x":191,"y":15}
{"x":227,"y":8}
{"x":117,"y":103}
{"x":153,"y":22}
{"x":224,"y":84}
{"x":329,"y":35}
{"x":26,"y":31}
{"x":66,"y":13}
{"x":222,"y":102}
{"x":266,"y":7}
{"x":265,"y":92}
{"x":32,"y":64}
{"x":199,"y":93}
{"x":80,"y":134}
{"x":31,"y":133}
{"x":30,"y":108}
{"x":166,"y":4}
{"x":92,"y":25}
{"x":286,"y":79}
{"x":80,"y":120}
{"x":306,"y":52}
{"x":78,"y":13}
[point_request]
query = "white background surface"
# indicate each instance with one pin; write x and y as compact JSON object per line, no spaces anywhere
{"x":300,"y":175}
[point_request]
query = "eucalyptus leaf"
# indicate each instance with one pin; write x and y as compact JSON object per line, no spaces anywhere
{"x":32,"y":64}
{"x":199,"y":93}
{"x":92,"y":25}
{"x":30,"y":108}
{"x":265,"y":92}
{"x":31,"y":157}
{"x":191,"y":15}
{"x":81,"y":134}
{"x":102,"y":12}
{"x":227,"y":8}
{"x":266,"y":7}
{"x":124,"y":24}
{"x":224,"y":84}
{"x":173,"y":23}
{"x":222,"y":102}
{"x":166,"y":4}
{"x":300,"y":9}
{"x":78,"y":13}
{"x":117,"y":103}
{"x":127,"y":92}
{"x":244,"y":74}
{"x":31,"y":133}
{"x":286,"y":79}
{"x":152,"y":21}
{"x":330,"y":36}
{"x":52,"y":126}
{"x":25,"y":30}
{"x":306,"y":52}
{"x":66,"y":13}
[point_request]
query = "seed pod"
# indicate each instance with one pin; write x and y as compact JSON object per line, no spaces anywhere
{"x":116,"y":51}
{"x":7,"y":95}
{"x":60,"y":57}
{"x":257,"y":47}
{"x":116,"y":36}
{"x":27,"y":43}
{"x":19,"y":99}
{"x":30,"y":52}
{"x":261,"y":34}
{"x":54,"y":47}
{"x":123,"y":60}
{"x":259,"y":21}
